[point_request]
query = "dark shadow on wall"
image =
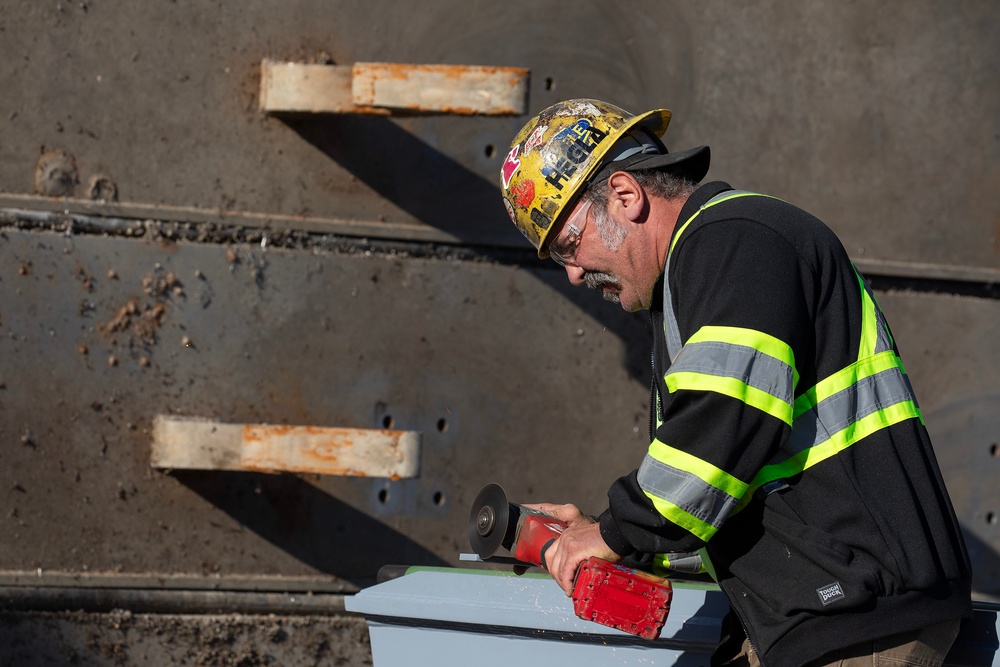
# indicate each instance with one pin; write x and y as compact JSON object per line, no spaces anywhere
{"x":438,"y":190}
{"x":985,"y":567}
{"x":309,"y":524}
{"x":418,"y":178}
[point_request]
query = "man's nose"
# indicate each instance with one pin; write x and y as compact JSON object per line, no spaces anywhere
{"x":575,"y":274}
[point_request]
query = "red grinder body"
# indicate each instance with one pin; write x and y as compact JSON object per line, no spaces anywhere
{"x":620,"y":597}
{"x":606,"y":593}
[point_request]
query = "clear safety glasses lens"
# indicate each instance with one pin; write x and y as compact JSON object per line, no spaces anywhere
{"x":563,"y":249}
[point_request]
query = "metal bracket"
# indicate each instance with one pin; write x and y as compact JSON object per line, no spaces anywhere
{"x":197,"y":444}
{"x":390,"y":88}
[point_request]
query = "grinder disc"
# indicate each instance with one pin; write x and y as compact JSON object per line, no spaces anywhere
{"x":489,"y":521}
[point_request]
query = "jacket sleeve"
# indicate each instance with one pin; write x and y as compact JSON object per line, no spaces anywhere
{"x":740,"y":292}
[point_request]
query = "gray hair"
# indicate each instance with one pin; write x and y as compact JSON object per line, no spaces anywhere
{"x":655,"y":182}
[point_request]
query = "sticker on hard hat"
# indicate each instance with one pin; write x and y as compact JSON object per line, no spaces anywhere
{"x":524,"y":193}
{"x":510,"y":209}
{"x":577,"y":142}
{"x":541,"y":220}
{"x":577,"y":108}
{"x":534,"y":140}
{"x":510,"y":166}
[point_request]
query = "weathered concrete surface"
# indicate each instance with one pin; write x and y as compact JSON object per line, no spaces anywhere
{"x":124,"y":638}
{"x":98,"y":335}
{"x":878,"y":116}
{"x":948,"y":345}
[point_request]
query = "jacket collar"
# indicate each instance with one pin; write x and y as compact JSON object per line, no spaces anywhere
{"x":697,"y":199}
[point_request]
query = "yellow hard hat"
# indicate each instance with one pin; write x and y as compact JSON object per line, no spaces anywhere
{"x":558,"y":151}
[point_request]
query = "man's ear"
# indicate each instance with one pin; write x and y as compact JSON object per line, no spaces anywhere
{"x":628,"y":194}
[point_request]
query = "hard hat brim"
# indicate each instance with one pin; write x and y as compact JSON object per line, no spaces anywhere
{"x":691,"y":164}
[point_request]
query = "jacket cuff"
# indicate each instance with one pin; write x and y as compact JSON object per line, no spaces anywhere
{"x":612,"y":536}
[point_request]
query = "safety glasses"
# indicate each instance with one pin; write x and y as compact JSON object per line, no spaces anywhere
{"x":564,"y":247}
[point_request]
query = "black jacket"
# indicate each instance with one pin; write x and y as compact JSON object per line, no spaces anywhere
{"x":860,"y":545}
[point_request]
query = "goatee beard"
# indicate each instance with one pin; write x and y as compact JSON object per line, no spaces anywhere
{"x":598,"y":281}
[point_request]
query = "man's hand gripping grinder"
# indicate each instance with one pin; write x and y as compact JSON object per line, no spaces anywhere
{"x":618,"y":597}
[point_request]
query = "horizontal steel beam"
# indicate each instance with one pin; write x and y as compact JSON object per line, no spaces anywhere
{"x":131,"y":219}
{"x":145,"y":601}
{"x":55,"y":579}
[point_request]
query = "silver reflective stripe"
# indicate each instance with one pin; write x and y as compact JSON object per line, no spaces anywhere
{"x":670,"y":328}
{"x":742,"y":362}
{"x":685,"y":490}
{"x":835,"y":413}
{"x":680,"y":561}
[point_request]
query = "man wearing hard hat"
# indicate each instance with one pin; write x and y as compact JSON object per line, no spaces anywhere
{"x":787,"y":447}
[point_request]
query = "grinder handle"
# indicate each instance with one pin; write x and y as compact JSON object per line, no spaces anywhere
{"x":541,"y":554}
{"x":535,"y":535}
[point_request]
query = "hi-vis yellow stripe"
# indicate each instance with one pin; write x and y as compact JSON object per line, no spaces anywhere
{"x":844,"y":378}
{"x":758,"y":340}
{"x":712,"y":202}
{"x":837,"y":443}
{"x":869,"y":323}
{"x":734,"y":389}
{"x":688,"y":491}
{"x":703,"y":470}
{"x":748,"y":342}
{"x":673,"y":513}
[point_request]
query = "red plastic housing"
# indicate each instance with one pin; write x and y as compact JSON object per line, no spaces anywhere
{"x":622,"y":598}
{"x":534,"y":534}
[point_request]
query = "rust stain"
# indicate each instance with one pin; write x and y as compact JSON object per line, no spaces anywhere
{"x":260,"y":432}
{"x":143,"y":323}
{"x":318,"y":450}
{"x":121,"y":320}
{"x":253,"y":466}
{"x":367,"y":76}
{"x":264,"y":432}
{"x":148,"y":323}
{"x":470,"y":111}
{"x":403,"y":71}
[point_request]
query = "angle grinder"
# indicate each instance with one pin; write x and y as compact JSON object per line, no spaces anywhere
{"x":603,"y":592}
{"x":495,"y":523}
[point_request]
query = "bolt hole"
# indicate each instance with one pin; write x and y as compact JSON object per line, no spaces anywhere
{"x":550,"y":83}
{"x":383,"y":496}
{"x":442,"y":425}
{"x":439,"y":498}
{"x":388,"y":421}
{"x":490,"y":150}
{"x":991,"y":518}
{"x":994,"y":450}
